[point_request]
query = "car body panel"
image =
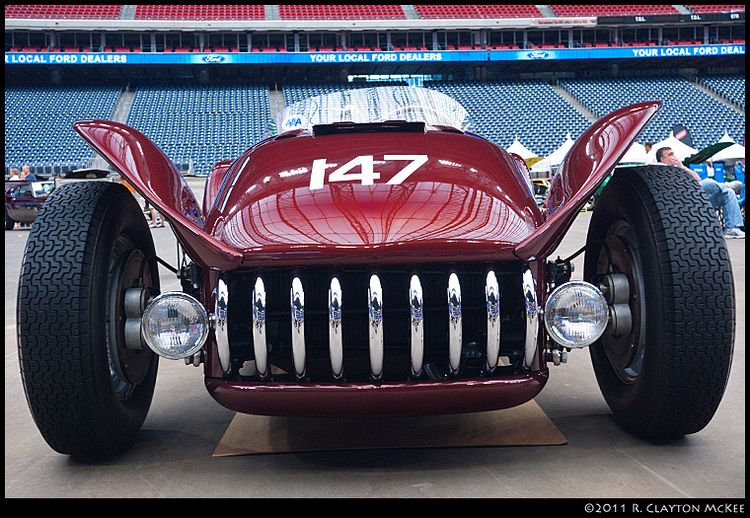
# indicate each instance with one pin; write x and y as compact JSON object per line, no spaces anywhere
{"x":213,"y":182}
{"x":468,"y":198}
{"x":588,"y":163}
{"x":477,"y":199}
{"x":155,"y":178}
{"x":377,"y":400}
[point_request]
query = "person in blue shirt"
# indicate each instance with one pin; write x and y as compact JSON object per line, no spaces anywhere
{"x":26,"y":174}
{"x":719,"y":194}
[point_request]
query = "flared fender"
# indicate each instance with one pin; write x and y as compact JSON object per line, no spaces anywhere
{"x":154,"y":176}
{"x":594,"y":155}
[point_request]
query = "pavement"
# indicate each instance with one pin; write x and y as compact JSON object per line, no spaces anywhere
{"x":172,"y":457}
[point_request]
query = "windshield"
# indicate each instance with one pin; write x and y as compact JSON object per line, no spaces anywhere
{"x":378,"y":104}
{"x":42,"y":188}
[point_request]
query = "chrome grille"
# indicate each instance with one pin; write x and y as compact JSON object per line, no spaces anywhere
{"x":393,"y":323}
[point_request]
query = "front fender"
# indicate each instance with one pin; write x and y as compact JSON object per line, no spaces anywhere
{"x":155,"y":178}
{"x":588,"y":163}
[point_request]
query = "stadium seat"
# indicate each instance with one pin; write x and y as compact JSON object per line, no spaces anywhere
{"x":432,"y":11}
{"x":501,"y":121}
{"x":200,"y":12}
{"x":341,"y":12}
{"x":202,"y":124}
{"x":683,"y":103}
{"x":79,"y":11}
{"x":612,"y":10}
{"x":38,"y":123}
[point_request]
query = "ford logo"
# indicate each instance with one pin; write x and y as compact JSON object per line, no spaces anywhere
{"x":213,"y":58}
{"x":538,"y":54}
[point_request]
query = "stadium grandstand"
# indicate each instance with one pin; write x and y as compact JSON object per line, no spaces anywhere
{"x":205,"y":81}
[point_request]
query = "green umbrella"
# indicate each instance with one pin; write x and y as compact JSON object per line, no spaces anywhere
{"x":706,"y":153}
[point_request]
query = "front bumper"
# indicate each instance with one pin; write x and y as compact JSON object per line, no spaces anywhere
{"x":413,"y":398}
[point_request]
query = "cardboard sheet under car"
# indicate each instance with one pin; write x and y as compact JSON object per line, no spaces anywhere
{"x":525,"y":425}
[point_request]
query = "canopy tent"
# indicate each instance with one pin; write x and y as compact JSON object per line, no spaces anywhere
{"x":542,"y":166}
{"x":520,"y":150}
{"x":681,"y":150}
{"x":636,"y":154}
{"x":733,"y":152}
{"x":558,"y":155}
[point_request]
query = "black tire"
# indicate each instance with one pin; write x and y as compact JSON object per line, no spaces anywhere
{"x":9,"y":222}
{"x":88,"y":395}
{"x":660,"y":230}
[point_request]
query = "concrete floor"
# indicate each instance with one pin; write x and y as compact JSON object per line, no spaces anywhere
{"x":172,"y":457}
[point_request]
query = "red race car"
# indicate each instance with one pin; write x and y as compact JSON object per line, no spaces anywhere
{"x":24,"y":200}
{"x":374,"y":258}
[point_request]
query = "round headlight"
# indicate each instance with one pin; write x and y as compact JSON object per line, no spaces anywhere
{"x":175,"y":325}
{"x":575,"y":314}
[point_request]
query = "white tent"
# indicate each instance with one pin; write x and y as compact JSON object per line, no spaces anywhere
{"x":733,"y":152}
{"x":558,"y":154}
{"x":543,"y":166}
{"x":521,"y":150}
{"x":636,"y":154}
{"x":681,"y":150}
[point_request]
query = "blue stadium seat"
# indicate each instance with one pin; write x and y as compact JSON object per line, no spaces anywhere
{"x":730,"y":87}
{"x":39,"y":124}
{"x":683,"y":103}
{"x":528,"y":110}
{"x":204,"y":124}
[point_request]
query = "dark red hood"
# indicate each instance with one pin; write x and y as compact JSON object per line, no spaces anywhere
{"x":466,"y":202}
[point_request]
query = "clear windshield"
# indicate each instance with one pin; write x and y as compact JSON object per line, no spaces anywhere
{"x":378,"y":104}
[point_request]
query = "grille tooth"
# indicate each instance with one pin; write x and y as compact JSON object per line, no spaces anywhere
{"x":297,"y":312}
{"x":260,"y":343}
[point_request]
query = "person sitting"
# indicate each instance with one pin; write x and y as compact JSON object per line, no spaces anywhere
{"x":14,"y":174}
{"x":720,"y":195}
{"x":27,"y":175}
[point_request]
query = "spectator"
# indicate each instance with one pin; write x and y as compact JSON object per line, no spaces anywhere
{"x":648,"y":146}
{"x":26,"y":174}
{"x":718,"y":194}
{"x":156,"y":221}
{"x":14,"y":174}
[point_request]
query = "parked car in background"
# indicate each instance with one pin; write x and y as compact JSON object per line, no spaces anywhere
{"x":24,"y":199}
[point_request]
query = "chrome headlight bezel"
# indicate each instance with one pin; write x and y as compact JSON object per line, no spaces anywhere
{"x":594,"y":296}
{"x":201,"y":315}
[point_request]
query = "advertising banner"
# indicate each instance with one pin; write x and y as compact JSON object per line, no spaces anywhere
{"x":313,"y":58}
{"x":619,"y":52}
{"x":237,"y":58}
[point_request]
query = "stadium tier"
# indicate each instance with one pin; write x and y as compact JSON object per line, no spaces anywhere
{"x":612,"y":10}
{"x":39,"y":124}
{"x":431,"y":11}
{"x":346,"y":11}
{"x":716,"y":8}
{"x":341,"y":12}
{"x":683,"y":103}
{"x":204,"y":124}
{"x":199,"y":12}
{"x":730,"y":87}
{"x":105,"y":11}
{"x":505,"y":110}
